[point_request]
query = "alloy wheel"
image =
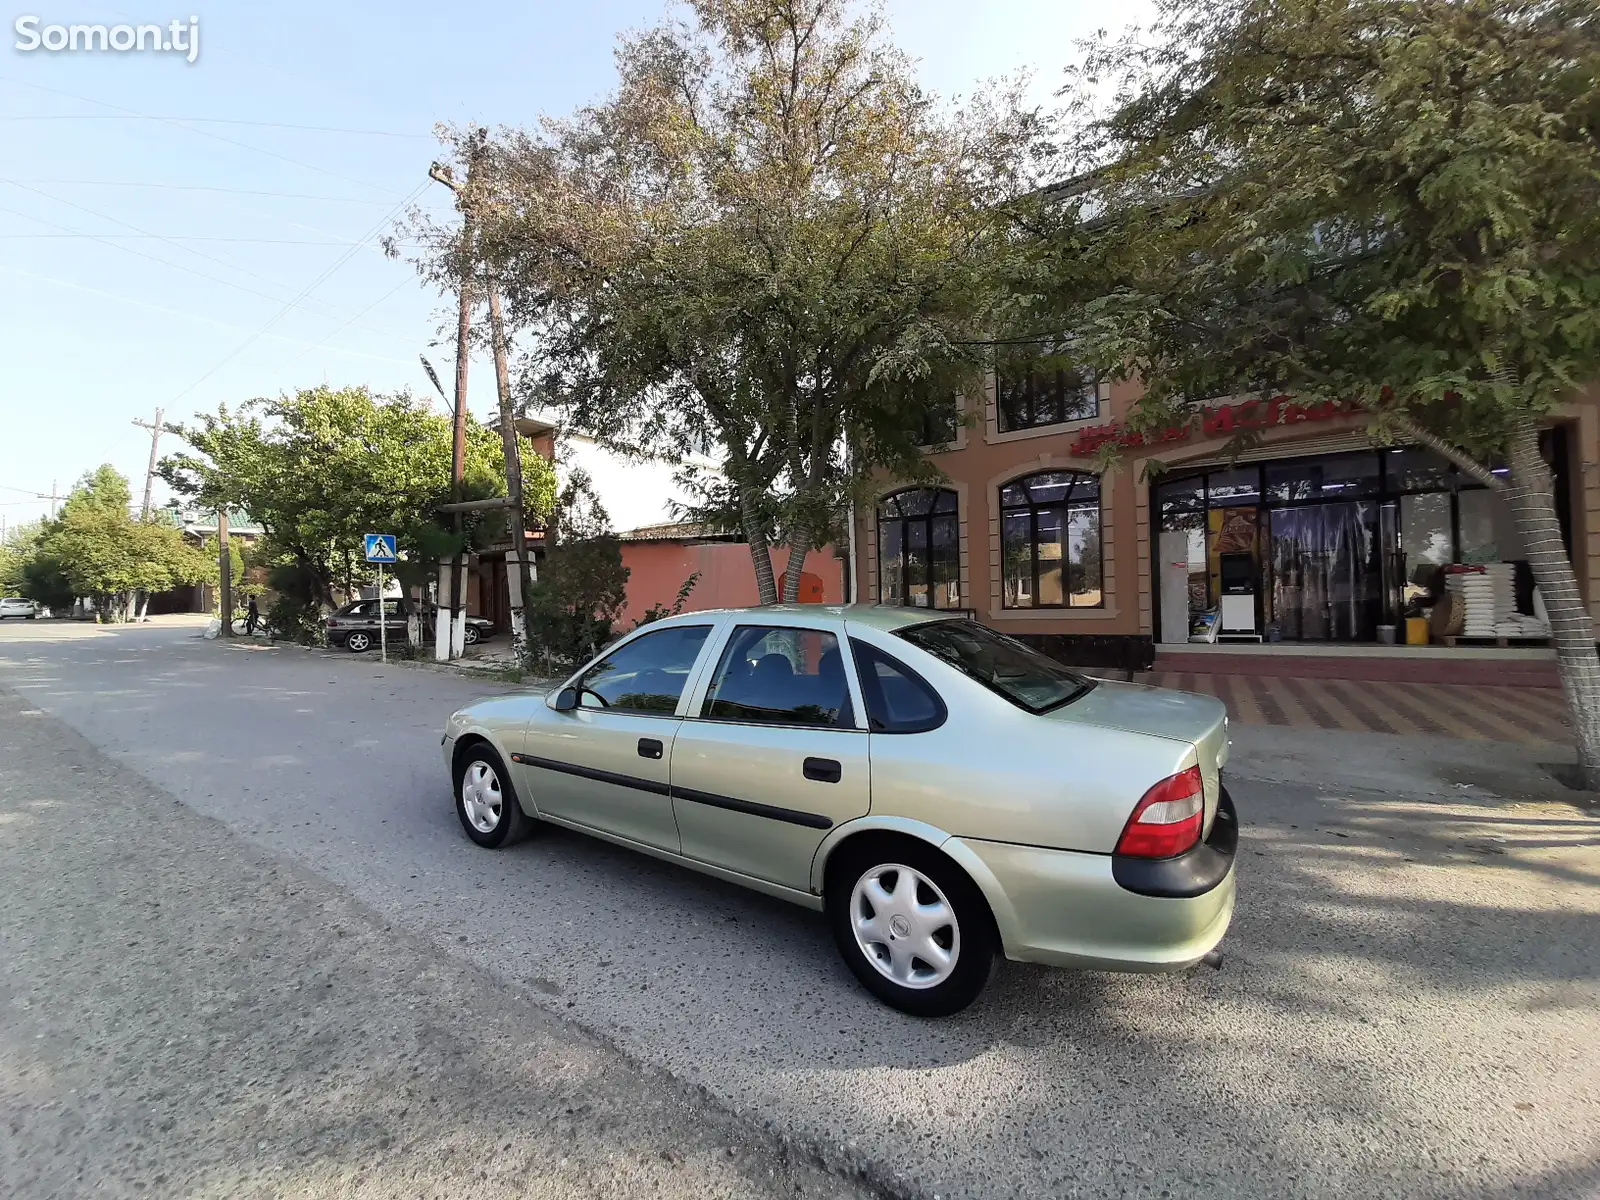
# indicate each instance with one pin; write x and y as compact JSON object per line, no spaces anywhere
{"x":905,"y":926}
{"x":481,"y":798}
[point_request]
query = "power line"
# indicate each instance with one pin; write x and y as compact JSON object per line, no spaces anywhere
{"x":133,"y":116}
{"x":199,"y":132}
{"x":181,"y":237}
{"x":175,"y":242}
{"x":309,"y":288}
{"x":188,"y":316}
{"x":195,"y":187}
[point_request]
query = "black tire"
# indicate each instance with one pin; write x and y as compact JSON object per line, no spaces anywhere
{"x":358,"y":642}
{"x":513,"y":824}
{"x":470,"y":636}
{"x":976,"y":948}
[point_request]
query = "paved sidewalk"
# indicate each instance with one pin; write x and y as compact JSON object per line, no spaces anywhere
{"x":1529,"y":716}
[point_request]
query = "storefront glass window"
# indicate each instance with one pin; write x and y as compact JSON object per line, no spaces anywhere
{"x":1478,"y":543}
{"x":1050,"y":539}
{"x":1425,"y":541}
{"x":1345,"y":477}
{"x":1242,"y":486}
{"x":1414,"y":469}
{"x":919,"y":557}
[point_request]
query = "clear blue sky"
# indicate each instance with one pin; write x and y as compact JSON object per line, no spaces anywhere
{"x":95,"y":333}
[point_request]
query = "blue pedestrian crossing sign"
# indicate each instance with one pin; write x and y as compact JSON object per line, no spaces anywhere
{"x":380,"y":548}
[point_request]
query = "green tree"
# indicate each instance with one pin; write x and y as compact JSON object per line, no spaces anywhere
{"x":770,"y":239}
{"x":1392,"y":202}
{"x":321,"y":468}
{"x":95,"y":548}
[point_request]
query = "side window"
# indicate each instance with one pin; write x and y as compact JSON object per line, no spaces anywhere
{"x":367,"y":608}
{"x":898,"y":699}
{"x":777,"y":676}
{"x":392,"y":610}
{"x":647,"y":675}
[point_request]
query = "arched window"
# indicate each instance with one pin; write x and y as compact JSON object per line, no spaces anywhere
{"x":919,"y":559}
{"x":1050,"y":540}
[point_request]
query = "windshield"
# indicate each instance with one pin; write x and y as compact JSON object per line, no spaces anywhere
{"x":1018,"y":672}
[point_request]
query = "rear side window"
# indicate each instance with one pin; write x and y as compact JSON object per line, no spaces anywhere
{"x":898,"y":699}
{"x":781,"y":676}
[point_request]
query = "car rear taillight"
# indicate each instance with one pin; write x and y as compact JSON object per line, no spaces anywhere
{"x":1167,"y":821}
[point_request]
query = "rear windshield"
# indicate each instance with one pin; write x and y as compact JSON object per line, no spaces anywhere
{"x":1020,"y":673}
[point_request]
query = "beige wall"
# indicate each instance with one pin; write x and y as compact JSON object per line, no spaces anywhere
{"x":982,"y":460}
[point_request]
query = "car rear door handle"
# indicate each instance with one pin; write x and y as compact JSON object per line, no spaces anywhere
{"x":650,"y":748}
{"x":823,"y":770}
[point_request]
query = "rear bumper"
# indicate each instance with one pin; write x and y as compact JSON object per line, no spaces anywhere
{"x":1070,"y":909}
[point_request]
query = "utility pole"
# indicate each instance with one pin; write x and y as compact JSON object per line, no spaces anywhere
{"x":156,"y":429}
{"x":519,"y":578}
{"x":52,"y":497}
{"x":225,"y":571}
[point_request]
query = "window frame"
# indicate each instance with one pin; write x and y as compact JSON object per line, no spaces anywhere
{"x":1028,"y":377}
{"x":903,"y":600}
{"x":700,"y":702}
{"x":691,"y":681}
{"x":1032,"y":509}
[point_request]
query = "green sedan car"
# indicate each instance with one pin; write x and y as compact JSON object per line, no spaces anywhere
{"x":944,"y":793}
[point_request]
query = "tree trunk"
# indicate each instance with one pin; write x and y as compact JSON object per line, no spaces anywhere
{"x":1531,"y":494}
{"x":522,"y":587}
{"x":144,"y":605}
{"x":799,"y":547}
{"x":760,"y":551}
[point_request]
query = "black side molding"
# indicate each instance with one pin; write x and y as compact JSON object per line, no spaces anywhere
{"x":771,"y":812}
{"x":627,"y":781}
{"x":1193,"y":873}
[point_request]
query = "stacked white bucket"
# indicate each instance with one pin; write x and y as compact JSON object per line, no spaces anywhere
{"x":1488,"y":599}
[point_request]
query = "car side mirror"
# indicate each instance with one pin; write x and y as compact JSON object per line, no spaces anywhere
{"x":566,"y":699}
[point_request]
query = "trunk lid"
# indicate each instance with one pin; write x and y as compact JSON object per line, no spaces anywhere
{"x":1179,"y":716}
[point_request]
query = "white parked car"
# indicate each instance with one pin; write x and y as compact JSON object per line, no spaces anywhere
{"x":16,"y":606}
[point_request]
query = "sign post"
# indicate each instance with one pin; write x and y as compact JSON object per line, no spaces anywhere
{"x":380,"y":550}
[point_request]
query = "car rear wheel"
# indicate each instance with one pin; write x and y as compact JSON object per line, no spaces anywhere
{"x":357,"y":642}
{"x":485,"y":800}
{"x":912,"y":927}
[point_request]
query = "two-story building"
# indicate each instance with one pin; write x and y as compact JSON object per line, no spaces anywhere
{"x":1312,"y":536}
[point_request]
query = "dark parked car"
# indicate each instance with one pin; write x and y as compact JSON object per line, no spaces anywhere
{"x":355,"y":626}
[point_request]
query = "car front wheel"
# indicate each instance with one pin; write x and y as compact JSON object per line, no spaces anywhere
{"x":358,"y":642}
{"x":471,"y":636}
{"x":485,"y":800}
{"x":912,"y":927}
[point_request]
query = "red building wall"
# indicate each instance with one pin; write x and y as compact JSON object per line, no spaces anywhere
{"x":657,"y":570}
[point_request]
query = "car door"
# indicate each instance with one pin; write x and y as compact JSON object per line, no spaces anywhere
{"x":606,"y":764}
{"x":772,"y":757}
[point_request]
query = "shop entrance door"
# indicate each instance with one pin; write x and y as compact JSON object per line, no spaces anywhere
{"x":1327,"y":583}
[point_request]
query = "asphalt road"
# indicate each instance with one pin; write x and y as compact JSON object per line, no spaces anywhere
{"x":1408,"y":1006}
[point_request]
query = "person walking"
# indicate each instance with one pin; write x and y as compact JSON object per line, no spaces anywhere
{"x":252,"y":618}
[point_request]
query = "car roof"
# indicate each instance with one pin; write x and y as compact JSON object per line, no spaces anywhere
{"x":874,"y":616}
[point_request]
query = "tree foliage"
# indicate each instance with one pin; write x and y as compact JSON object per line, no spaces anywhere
{"x":95,"y":548}
{"x":768,"y":238}
{"x":582,"y":585}
{"x":322,"y":467}
{"x":1391,"y":202}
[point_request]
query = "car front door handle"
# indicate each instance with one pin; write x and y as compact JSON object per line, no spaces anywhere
{"x":823,"y":770}
{"x":650,"y":748}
